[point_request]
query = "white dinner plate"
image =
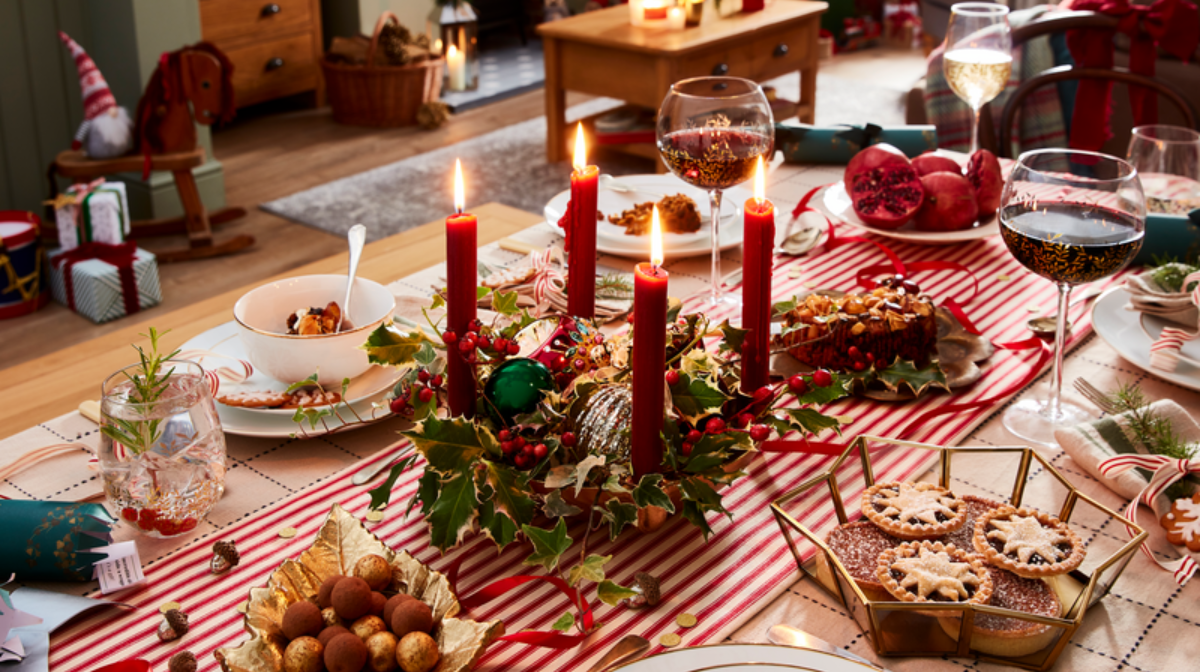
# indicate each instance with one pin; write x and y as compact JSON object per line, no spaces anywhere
{"x":1124,"y":331}
{"x":611,"y":239}
{"x":837,"y":202}
{"x":743,"y":658}
{"x":363,"y":391}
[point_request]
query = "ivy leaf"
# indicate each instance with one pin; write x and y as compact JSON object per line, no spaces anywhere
{"x":732,"y":337}
{"x":612,"y":593}
{"x":810,"y":420}
{"x":499,"y":528}
{"x":548,"y":545}
{"x":381,"y":495}
{"x":425,"y":355}
{"x":510,"y":486}
{"x":453,"y":514}
{"x":695,"y":397}
{"x":613,"y":484}
{"x":781,"y":308}
{"x":592,"y":569}
{"x":905,"y":373}
{"x":505,"y":303}
{"x":713,"y":450}
{"x":557,"y":507}
{"x":560,"y":476}
{"x":448,"y":445}
{"x":388,"y":347}
{"x":649,"y":492}
{"x":300,"y":384}
{"x":564,"y":622}
{"x":310,"y":415}
{"x":581,"y":470}
{"x":623,"y":513}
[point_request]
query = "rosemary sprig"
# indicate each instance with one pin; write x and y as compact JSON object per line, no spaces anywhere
{"x":1169,"y":273}
{"x":614,"y":286}
{"x":148,"y":385}
{"x":1154,"y":432}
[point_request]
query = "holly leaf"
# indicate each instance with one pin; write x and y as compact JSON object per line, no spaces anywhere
{"x":557,"y":507}
{"x":428,"y":487}
{"x":592,"y":569}
{"x":696,"y":397}
{"x":612,"y":593}
{"x":381,"y":495}
{"x":499,"y":528}
{"x":904,"y":373}
{"x":505,"y":303}
{"x":810,"y":420}
{"x":699,"y":491}
{"x":548,"y":545}
{"x":564,"y":622}
{"x":453,"y":514}
{"x":393,"y":348}
{"x":510,"y":488}
{"x":693,"y":512}
{"x":620,"y":514}
{"x":649,"y":492}
{"x":840,"y":387}
{"x":448,"y":445}
{"x":560,"y":476}
{"x":713,"y":450}
{"x":581,"y":470}
{"x":732,"y":337}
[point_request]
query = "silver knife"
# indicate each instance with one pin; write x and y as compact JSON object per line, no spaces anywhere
{"x":791,"y":636}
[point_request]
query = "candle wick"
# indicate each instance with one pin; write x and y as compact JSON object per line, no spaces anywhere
{"x":458,"y":210}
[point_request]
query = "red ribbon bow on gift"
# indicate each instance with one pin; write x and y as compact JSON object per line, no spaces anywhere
{"x":1167,"y":470}
{"x":122,"y":256}
{"x":1170,"y":24}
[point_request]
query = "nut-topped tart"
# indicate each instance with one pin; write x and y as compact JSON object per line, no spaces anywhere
{"x":913,"y":510}
{"x":1027,"y":542}
{"x":929,"y":571}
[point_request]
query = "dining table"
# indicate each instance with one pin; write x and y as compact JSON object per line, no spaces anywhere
{"x":738,"y":584}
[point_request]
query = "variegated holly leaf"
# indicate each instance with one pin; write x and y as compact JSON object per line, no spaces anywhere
{"x":591,"y":569}
{"x":453,"y":514}
{"x":381,"y":495}
{"x":509,"y":488}
{"x":557,"y":507}
{"x":714,"y":450}
{"x":840,"y":387}
{"x":731,"y":337}
{"x":394,"y":348}
{"x":548,"y":545}
{"x":808,"y":420}
{"x":449,"y":445}
{"x":904,"y":374}
{"x":498,"y":527}
{"x":649,"y":492}
{"x":695,"y":397}
{"x":700,"y":498}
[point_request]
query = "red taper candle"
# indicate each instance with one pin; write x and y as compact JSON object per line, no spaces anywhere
{"x":585,"y":183}
{"x":461,"y":281}
{"x":758,"y":258}
{"x":649,"y":356}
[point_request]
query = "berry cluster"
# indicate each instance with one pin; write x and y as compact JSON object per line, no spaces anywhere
{"x":152,"y":520}
{"x":524,"y":453}
{"x":475,"y":343}
{"x":422,"y":390}
{"x":798,"y":385}
{"x":861,"y":361}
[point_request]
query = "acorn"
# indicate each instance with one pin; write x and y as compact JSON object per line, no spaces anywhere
{"x":393,"y":602}
{"x":302,"y":618}
{"x":331,"y":632}
{"x":381,"y":652}
{"x":184,"y":661}
{"x":412,"y":616}
{"x":174,"y":626}
{"x":225,"y":557}
{"x":345,"y":653}
{"x":647,"y":589}
{"x":417,"y":652}
{"x":375,"y":570}
{"x":303,"y":654}
{"x":351,"y":598}
{"x":325,"y":593}
{"x":367,"y":626}
{"x":330,"y":618}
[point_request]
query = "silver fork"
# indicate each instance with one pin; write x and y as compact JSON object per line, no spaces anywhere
{"x":1098,"y":398}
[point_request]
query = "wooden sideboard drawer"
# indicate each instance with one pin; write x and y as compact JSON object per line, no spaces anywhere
{"x":274,"y":68}
{"x":769,"y":56}
{"x":225,"y":21}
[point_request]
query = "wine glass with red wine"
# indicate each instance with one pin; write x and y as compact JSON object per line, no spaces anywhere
{"x":711,"y":131}
{"x":1072,"y":217}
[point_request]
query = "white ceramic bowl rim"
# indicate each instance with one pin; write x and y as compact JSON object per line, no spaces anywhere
{"x":368,"y":324}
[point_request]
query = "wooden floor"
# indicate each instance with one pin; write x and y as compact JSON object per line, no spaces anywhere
{"x":270,"y":156}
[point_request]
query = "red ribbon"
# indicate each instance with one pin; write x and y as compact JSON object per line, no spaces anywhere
{"x":121,"y":256}
{"x":1170,"y":24}
{"x":134,"y":665}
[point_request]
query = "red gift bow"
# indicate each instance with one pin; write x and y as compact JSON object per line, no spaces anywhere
{"x":1167,"y":470}
{"x":121,"y":256}
{"x":1170,"y":24}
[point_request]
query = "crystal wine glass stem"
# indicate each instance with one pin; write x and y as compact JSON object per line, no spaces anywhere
{"x":714,"y":199}
{"x":1053,"y":409}
{"x":975,"y":115}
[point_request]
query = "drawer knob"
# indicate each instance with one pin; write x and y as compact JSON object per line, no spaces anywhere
{"x":271,"y":9}
{"x":274,"y":64}
{"x":720,"y":69}
{"x":781,"y":50}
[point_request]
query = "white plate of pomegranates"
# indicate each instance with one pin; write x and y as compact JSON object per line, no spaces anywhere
{"x":938,"y":198}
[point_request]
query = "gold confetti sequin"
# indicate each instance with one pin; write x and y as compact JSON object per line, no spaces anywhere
{"x":810,"y":284}
{"x":374,"y":516}
{"x":1003,"y":277}
{"x":844,"y":419}
{"x":686,"y":620}
{"x":794,"y":273}
{"x":670,"y":639}
{"x":287,"y":532}
{"x":168,"y":606}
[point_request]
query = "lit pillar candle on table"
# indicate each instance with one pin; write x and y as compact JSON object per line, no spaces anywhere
{"x":649,"y":356}
{"x":585,"y":181}
{"x":757,"y":261}
{"x":456,"y":68}
{"x":461,"y":281}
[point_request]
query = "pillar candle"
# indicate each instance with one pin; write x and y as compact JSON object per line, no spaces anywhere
{"x":649,"y":357}
{"x":757,"y":261}
{"x":461,"y":280}
{"x":585,"y":182}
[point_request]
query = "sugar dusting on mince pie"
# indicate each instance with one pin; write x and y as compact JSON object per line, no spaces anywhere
{"x":913,"y":510}
{"x":929,"y":571}
{"x":1028,"y":543}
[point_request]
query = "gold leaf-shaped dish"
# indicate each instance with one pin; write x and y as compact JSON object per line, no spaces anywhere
{"x":340,"y":543}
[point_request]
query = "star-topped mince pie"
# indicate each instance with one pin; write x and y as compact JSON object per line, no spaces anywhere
{"x":913,"y":510}
{"x":1028,"y":543}
{"x":929,"y":571}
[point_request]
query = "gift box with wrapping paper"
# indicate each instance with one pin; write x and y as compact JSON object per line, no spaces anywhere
{"x":103,"y":282}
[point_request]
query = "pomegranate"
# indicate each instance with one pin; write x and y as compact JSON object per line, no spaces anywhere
{"x":932,"y":162}
{"x":883,"y":187}
{"x":949,"y":203}
{"x":983,"y":172}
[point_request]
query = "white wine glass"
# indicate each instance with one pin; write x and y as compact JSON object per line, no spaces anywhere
{"x":1168,"y":160}
{"x":977,"y":60}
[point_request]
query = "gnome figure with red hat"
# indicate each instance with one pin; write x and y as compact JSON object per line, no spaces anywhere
{"x":107,"y":129}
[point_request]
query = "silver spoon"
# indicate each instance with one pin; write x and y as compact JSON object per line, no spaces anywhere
{"x":1045,"y":325}
{"x":357,"y":237}
{"x":610,"y":183}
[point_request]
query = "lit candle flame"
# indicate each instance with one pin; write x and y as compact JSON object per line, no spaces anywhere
{"x":460,"y":200}
{"x":451,"y":51}
{"x":759,"y":186}
{"x":656,"y":251}
{"x":580,"y":160}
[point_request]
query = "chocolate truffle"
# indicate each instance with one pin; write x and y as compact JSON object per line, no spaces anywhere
{"x":351,"y":598}
{"x":345,"y":653}
{"x":331,"y":632}
{"x":302,"y":618}
{"x":303,"y":654}
{"x":367,"y":626}
{"x":330,"y":617}
{"x":375,"y":570}
{"x":412,"y":616}
{"x":325,"y":593}
{"x":378,"y":602}
{"x":393,"y":602}
{"x":417,"y":652}
{"x":381,"y":652}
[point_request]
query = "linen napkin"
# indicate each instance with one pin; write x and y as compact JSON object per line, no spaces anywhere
{"x":1150,"y":297}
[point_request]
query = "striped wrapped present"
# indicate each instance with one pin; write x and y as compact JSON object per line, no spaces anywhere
{"x":103,"y":282}
{"x":22,"y":285}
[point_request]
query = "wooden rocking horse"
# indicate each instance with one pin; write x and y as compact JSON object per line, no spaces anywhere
{"x":191,"y":85}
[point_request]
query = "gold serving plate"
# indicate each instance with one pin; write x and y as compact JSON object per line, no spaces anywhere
{"x":340,"y":543}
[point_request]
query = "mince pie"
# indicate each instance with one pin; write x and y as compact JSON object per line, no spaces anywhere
{"x":1027,"y":543}
{"x":929,"y":571}
{"x":1011,"y":637}
{"x":857,"y":546}
{"x":914,"y":510}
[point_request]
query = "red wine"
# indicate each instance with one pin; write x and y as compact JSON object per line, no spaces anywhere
{"x":713,"y":158}
{"x":1073,"y":243}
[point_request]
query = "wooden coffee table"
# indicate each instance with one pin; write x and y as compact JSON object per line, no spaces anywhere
{"x":601,"y":53}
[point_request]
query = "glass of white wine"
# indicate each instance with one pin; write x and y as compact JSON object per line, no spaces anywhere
{"x":977,"y":59}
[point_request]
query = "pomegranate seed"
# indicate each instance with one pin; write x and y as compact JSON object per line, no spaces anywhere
{"x":129,"y":513}
{"x":423,"y":376}
{"x":797,"y":385}
{"x":449,"y":338}
{"x":715,"y":426}
{"x":694,"y":436}
{"x":426,"y":395}
{"x":672,"y":377}
{"x":188,"y":524}
{"x":540,"y":451}
{"x":505,"y":435}
{"x":760,"y":432}
{"x":822,"y":378}
{"x":568,"y":439}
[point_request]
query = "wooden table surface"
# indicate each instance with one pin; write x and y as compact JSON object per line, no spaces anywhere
{"x":49,"y":386}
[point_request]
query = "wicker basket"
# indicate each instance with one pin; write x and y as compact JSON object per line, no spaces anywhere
{"x":381,"y":95}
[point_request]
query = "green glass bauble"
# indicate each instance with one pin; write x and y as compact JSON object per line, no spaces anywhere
{"x":516,"y":386}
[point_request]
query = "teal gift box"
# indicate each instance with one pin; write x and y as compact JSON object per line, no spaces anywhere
{"x":1170,"y":237}
{"x":103,"y":282}
{"x":52,"y":541}
{"x":839,"y":144}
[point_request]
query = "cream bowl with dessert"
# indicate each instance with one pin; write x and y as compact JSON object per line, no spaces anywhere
{"x":307,"y":306}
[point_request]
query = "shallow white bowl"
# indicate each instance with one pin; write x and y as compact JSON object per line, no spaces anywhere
{"x":262,"y":315}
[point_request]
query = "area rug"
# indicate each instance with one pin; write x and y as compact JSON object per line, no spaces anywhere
{"x":503,"y":73}
{"x":509,"y":166}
